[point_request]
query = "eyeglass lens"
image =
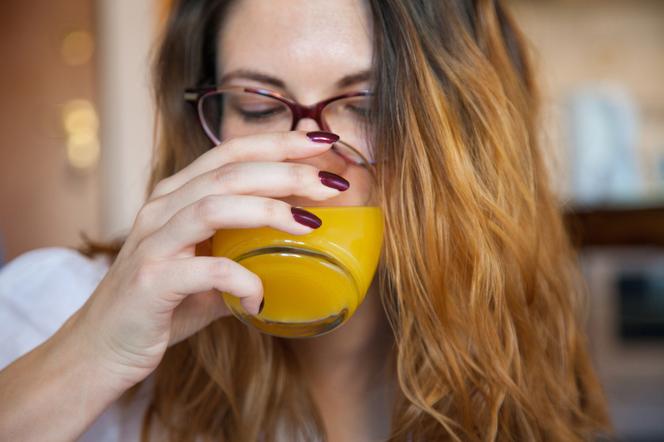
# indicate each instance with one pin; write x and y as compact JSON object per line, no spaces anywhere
{"x":230,"y":114}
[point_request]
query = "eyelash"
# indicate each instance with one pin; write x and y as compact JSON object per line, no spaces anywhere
{"x":259,"y":115}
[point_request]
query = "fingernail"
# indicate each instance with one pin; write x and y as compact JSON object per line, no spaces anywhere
{"x":333,"y":180}
{"x":306,"y":218}
{"x":323,"y":137}
{"x":260,"y":307}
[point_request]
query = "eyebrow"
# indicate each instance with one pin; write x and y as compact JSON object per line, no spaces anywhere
{"x":247,"y":74}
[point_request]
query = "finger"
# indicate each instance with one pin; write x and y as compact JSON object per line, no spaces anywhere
{"x":195,"y":312}
{"x":200,"y":220}
{"x":272,"y":179}
{"x":274,"y":146}
{"x":175,"y":279}
{"x":255,"y":178}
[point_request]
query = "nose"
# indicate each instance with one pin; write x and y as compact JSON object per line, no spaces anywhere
{"x":328,"y":160}
{"x":308,"y":124}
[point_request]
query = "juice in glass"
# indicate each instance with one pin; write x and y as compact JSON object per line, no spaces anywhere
{"x":314,"y":282}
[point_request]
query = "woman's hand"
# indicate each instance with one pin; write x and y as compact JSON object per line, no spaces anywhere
{"x":158,"y":291}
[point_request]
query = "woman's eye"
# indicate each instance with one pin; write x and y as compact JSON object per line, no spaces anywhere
{"x":256,"y":111}
{"x":361,"y":111}
{"x":259,"y":114}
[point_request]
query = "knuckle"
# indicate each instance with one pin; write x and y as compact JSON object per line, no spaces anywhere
{"x":222,"y":269}
{"x":299,"y":174}
{"x":218,"y":175}
{"x":206,"y":208}
{"x":146,"y":215}
{"x":272,"y":208}
{"x":144,"y":275}
{"x":228,"y":176}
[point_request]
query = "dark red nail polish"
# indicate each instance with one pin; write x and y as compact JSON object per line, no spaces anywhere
{"x":333,"y":180}
{"x":323,"y":137}
{"x":260,"y":307}
{"x":306,"y":218}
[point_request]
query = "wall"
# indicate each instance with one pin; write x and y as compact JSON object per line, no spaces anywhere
{"x":43,"y":199}
{"x":591,"y":42}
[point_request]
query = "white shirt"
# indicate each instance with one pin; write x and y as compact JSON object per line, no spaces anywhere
{"x":39,"y":290}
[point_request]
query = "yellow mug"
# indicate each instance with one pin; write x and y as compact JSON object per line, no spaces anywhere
{"x":312,"y":283}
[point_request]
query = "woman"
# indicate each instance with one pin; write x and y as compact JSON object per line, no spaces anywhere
{"x":470,"y":330}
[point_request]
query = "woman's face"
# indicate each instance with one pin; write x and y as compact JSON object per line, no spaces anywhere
{"x":307,"y":50}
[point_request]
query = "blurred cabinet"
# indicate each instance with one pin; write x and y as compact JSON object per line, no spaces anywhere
{"x":626,"y":331}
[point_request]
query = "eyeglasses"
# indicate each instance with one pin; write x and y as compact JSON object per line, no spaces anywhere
{"x":230,"y":111}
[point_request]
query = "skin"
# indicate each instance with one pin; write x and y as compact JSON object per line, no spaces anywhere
{"x":160,"y":291}
{"x":309,"y":46}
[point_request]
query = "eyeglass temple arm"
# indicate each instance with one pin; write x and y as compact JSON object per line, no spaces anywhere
{"x":193,"y":94}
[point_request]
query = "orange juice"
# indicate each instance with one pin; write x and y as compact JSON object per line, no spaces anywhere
{"x":312,"y":283}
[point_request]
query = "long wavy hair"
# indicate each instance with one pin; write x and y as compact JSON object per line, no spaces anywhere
{"x":477,"y":277}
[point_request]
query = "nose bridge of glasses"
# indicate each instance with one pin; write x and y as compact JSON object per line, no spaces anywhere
{"x":312,"y":112}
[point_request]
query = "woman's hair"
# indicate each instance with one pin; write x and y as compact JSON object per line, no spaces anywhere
{"x":477,"y":277}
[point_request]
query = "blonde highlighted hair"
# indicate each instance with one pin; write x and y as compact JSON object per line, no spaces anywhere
{"x":478,"y":279}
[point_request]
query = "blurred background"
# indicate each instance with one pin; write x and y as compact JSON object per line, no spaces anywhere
{"x":76,"y":125}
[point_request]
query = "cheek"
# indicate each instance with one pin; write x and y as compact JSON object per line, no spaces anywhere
{"x":360,"y":192}
{"x":226,"y":132}
{"x":362,"y":187}
{"x":361,"y":180}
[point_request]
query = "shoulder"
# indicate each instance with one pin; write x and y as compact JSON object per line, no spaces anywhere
{"x":48,"y":261}
{"x":39,"y":290}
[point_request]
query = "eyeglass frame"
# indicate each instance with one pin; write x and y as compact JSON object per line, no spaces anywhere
{"x":196,"y":96}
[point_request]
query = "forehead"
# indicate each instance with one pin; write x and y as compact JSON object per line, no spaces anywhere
{"x":306,"y":43}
